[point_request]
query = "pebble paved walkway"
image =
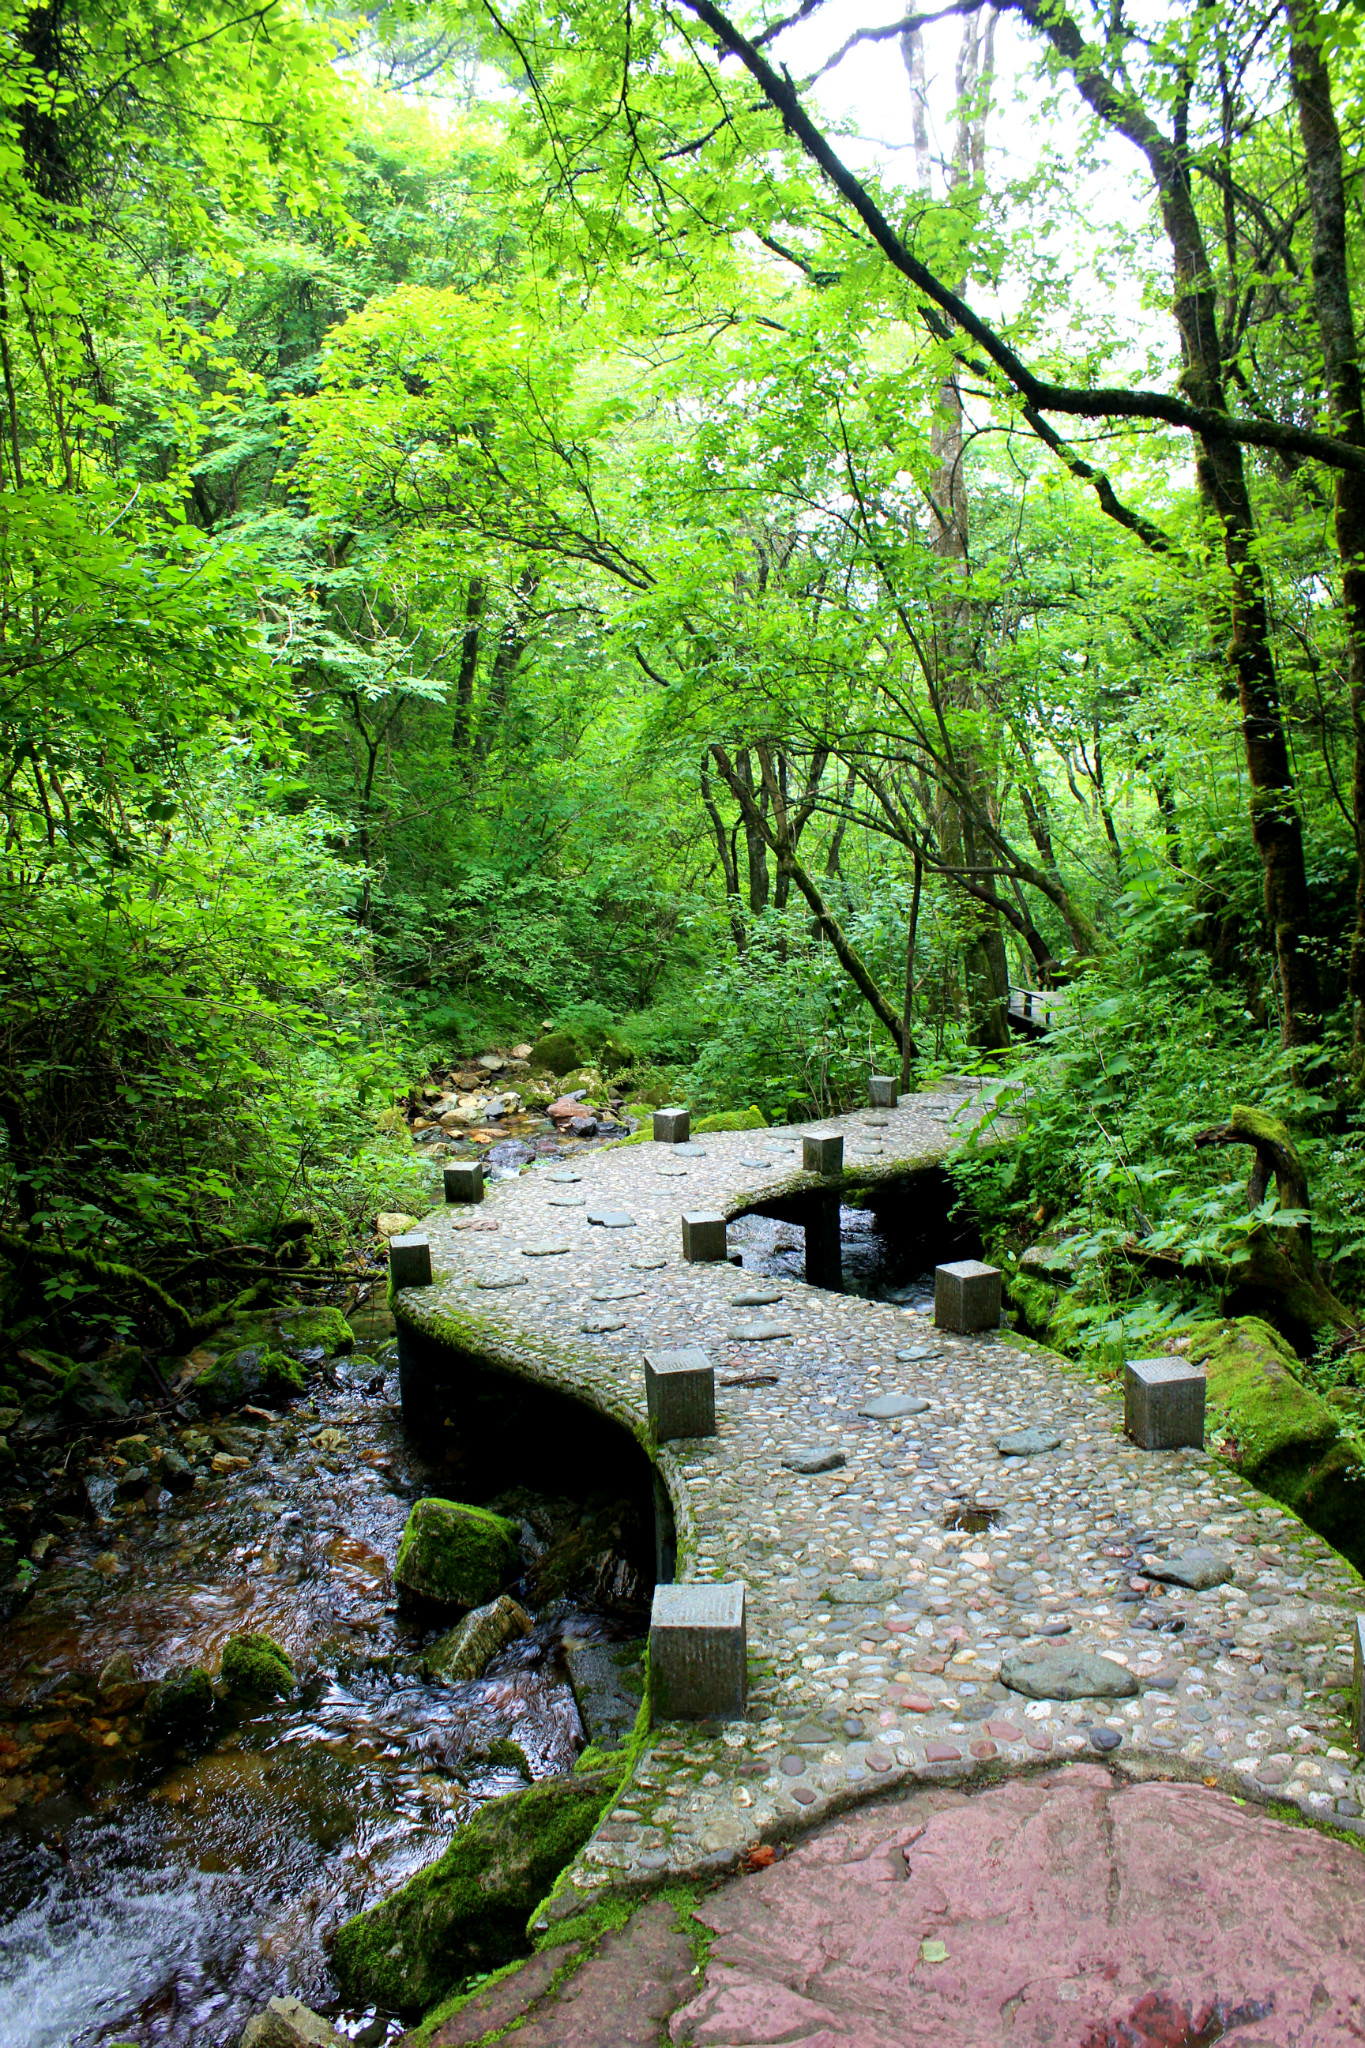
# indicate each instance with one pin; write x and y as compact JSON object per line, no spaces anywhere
{"x":877,"y":1628}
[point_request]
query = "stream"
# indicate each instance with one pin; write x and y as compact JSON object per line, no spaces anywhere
{"x":159,"y":1893}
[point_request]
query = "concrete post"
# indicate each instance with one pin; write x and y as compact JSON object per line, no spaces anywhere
{"x":410,"y":1261}
{"x":703,"y":1235}
{"x":822,"y":1152}
{"x":672,"y":1126}
{"x":966,"y":1297}
{"x":882,"y":1091}
{"x":680,"y":1390}
{"x":464,"y":1180}
{"x":824,"y":1251}
{"x":698,"y":1653}
{"x":1163,"y":1403}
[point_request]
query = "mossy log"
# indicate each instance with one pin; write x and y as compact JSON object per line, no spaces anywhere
{"x":1281,"y":1260}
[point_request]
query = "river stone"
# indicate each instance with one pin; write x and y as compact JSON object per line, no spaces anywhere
{"x":1196,"y":1568}
{"x":1067,"y":1675}
{"x":1027,"y":1443}
{"x":501,"y":1279}
{"x":611,"y":1219}
{"x":620,"y":1290}
{"x":602,"y":1326}
{"x":465,"y":1651}
{"x":548,"y":1248}
{"x":458,"y":1556}
{"x":886,"y":1407}
{"x":466,"y":1913}
{"x":815,"y":1461}
{"x":757,"y":1333}
{"x":758,"y":1297}
{"x":289,"y":2023}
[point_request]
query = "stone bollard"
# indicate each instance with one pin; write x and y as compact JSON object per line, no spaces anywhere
{"x":680,"y":1389}
{"x":966,"y":1297}
{"x":823,"y":1152}
{"x":882,"y":1091}
{"x":1358,"y":1683}
{"x":672,"y":1126}
{"x":698,"y":1653}
{"x":464,"y":1180}
{"x":410,"y":1261}
{"x":1163,"y":1404}
{"x":703,"y":1235}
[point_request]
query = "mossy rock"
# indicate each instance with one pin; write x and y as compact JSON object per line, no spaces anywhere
{"x":455,"y":1556}
{"x":317,"y":1327}
{"x":181,"y":1701}
{"x":245,"y":1373}
{"x":1281,"y":1435}
{"x":505,"y":1755}
{"x":257,"y":1667}
{"x":751,"y":1119}
{"x":557,"y":1053}
{"x":467,"y":1912}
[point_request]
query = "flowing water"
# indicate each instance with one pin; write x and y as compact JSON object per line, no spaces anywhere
{"x":158,"y":1895}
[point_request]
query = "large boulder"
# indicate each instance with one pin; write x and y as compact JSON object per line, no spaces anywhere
{"x":466,"y":1651}
{"x":288,"y":2023}
{"x":320,"y":1328}
{"x":455,"y":1556}
{"x":249,"y":1372}
{"x":557,"y":1053}
{"x":467,"y":1912}
{"x":1278,"y":1432}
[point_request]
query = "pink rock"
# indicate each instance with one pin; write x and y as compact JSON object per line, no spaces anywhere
{"x":916,"y":1703}
{"x":1004,"y":1731}
{"x":1074,"y":1910}
{"x":983,"y":1750}
{"x":941,"y":1753}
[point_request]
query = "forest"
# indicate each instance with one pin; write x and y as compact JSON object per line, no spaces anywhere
{"x":528,"y":524}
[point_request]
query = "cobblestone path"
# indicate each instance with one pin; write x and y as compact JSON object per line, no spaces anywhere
{"x":884,"y":1593}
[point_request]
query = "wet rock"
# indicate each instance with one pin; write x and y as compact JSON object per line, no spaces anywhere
{"x":511,"y":1152}
{"x":181,"y":1701}
{"x":248,"y":1373}
{"x":255,"y":1667}
{"x":177,"y":1475}
{"x":91,"y":1397}
{"x":118,"y":1673}
{"x":608,"y":1685}
{"x":133,"y":1483}
{"x":467,"y":1912}
{"x":593,"y":1558}
{"x":1027,"y":1443}
{"x":316,"y":1327}
{"x":466,"y":1651}
{"x":288,"y":2023}
{"x":887,"y":1407}
{"x":455,"y":1556}
{"x":1067,"y":1675}
{"x":582,"y":1126}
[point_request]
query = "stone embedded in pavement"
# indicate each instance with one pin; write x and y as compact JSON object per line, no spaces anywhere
{"x":815,"y":1461}
{"x":611,"y":1219}
{"x":500,"y":1279}
{"x":703,"y":1235}
{"x":758,"y":1297}
{"x":672,"y":1126}
{"x":886,"y":1407}
{"x":1196,"y":1568}
{"x":1028,"y":1443}
{"x":698,"y":1652}
{"x":680,"y":1390}
{"x":564,"y":1175}
{"x":464,"y":1180}
{"x":602,"y":1326}
{"x":1105,"y":1738}
{"x":670,"y":1168}
{"x":619,"y":1290}
{"x":1163,"y":1404}
{"x":881,"y":1091}
{"x":822,"y":1152}
{"x":916,"y":1353}
{"x":1067,"y":1675}
{"x":690,"y":1150}
{"x":966,"y":1296}
{"x":648,"y":1265}
{"x":757,"y":1333}
{"x":545,"y":1248}
{"x":565,"y":1201}
{"x":410,"y":1261}
{"x":758,"y":1162}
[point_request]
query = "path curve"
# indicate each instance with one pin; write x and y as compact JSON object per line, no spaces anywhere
{"x":876,"y":1634}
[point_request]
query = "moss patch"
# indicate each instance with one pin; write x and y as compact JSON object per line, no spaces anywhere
{"x":454,"y":1555}
{"x":257,"y":1667}
{"x":751,"y":1119}
{"x":314,"y":1327}
{"x":1278,"y":1433}
{"x":557,"y":1053}
{"x":467,"y":1911}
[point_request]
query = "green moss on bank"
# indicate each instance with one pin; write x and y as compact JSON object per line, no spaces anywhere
{"x":751,"y":1119}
